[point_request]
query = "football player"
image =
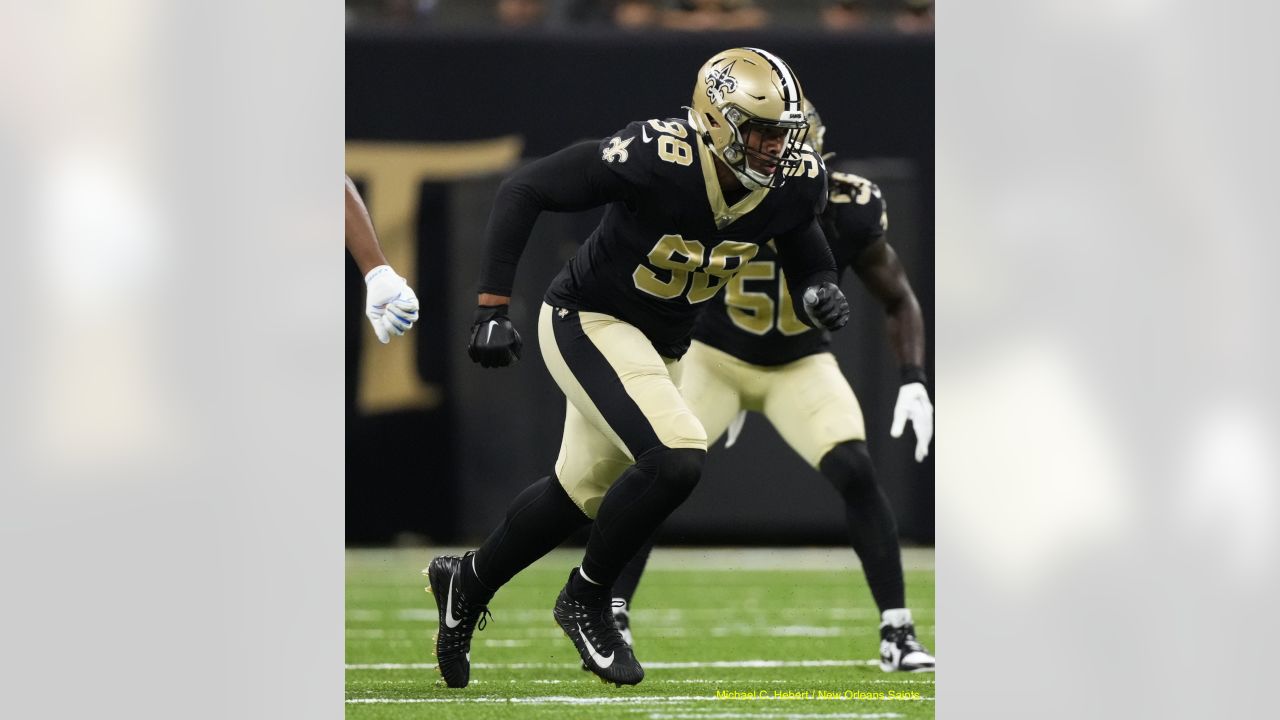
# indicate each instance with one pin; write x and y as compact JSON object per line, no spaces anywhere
{"x":689,"y":201}
{"x":390,"y":304}
{"x":751,"y":353}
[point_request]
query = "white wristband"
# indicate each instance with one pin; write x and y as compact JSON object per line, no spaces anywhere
{"x":375,"y":272}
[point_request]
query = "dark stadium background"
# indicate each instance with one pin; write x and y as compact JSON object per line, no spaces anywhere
{"x":485,"y":434}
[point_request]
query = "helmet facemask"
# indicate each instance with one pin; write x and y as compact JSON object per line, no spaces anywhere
{"x":763,"y":151}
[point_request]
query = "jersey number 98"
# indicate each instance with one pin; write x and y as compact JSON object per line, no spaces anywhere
{"x":683,"y":267}
{"x":670,"y":148}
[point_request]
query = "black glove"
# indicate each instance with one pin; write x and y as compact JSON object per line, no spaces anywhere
{"x":826,"y":305}
{"x":494,"y":341}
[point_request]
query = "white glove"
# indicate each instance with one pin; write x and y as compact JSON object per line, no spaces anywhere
{"x":390,"y":304}
{"x":913,"y":404}
{"x":735,"y":428}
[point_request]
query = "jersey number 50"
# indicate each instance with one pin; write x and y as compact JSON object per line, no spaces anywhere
{"x":755,"y":311}
{"x":682,"y":267}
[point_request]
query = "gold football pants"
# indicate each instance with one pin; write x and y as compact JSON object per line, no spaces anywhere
{"x":809,"y":401}
{"x":623,"y":400}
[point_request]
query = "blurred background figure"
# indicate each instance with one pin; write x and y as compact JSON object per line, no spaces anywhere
{"x":914,"y":16}
{"x":845,"y":15}
{"x":521,"y":13}
{"x":396,"y":12}
{"x":889,"y":16}
{"x":714,"y":15}
{"x":635,"y":14}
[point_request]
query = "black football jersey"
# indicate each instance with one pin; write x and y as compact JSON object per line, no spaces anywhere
{"x":755,"y":320}
{"x":657,"y":258}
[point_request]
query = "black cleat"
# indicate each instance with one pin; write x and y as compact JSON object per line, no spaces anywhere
{"x":458,"y":619}
{"x":901,"y":652}
{"x":621,"y":620}
{"x":589,"y":623}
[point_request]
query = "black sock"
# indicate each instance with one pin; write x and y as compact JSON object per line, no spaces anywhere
{"x":636,"y":505}
{"x":872,"y":529}
{"x":625,"y":586}
{"x":538,"y":520}
{"x":582,"y":589}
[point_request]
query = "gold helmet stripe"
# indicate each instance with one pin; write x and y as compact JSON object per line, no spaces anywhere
{"x":790,"y":87}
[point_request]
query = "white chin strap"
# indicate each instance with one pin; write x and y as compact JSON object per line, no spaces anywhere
{"x":757,"y":180}
{"x":749,"y":178}
{"x":749,"y":181}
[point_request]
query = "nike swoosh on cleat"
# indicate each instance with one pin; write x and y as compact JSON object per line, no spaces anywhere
{"x":644,"y":134}
{"x":602,"y":661}
{"x":492,"y":324}
{"x":449,"y":619}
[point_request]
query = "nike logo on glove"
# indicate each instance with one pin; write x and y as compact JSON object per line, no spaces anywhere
{"x":600,"y":660}
{"x":449,"y":619}
{"x":644,"y":134}
{"x":492,"y":325}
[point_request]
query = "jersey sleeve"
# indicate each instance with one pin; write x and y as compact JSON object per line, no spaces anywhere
{"x":858,"y":213}
{"x":806,"y":260}
{"x":649,"y":155}
{"x":570,"y":180}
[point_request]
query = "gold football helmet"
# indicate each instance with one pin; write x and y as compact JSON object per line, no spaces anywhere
{"x":817,"y":131}
{"x":747,"y":108}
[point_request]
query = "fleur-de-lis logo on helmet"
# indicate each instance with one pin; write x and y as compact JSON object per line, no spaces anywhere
{"x":721,"y":81}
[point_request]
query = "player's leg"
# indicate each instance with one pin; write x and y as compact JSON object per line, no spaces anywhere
{"x":613,"y":376}
{"x":624,"y":589}
{"x":814,"y":409}
{"x":545,"y":514}
{"x":538,"y":520}
{"x":589,"y":463}
{"x":709,"y":383}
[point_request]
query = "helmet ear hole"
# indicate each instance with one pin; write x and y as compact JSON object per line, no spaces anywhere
{"x":711,"y":121}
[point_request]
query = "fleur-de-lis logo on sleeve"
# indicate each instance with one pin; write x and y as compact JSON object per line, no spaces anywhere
{"x":617,"y":150}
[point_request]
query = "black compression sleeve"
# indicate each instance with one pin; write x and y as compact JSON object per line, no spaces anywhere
{"x":806,"y":258}
{"x":570,"y":180}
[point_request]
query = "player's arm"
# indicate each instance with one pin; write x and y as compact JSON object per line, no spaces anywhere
{"x":390,"y":304}
{"x":570,"y":180}
{"x":362,"y":241}
{"x":811,"y":276}
{"x":880,"y":270}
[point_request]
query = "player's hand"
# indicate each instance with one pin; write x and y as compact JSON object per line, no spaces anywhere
{"x":913,"y":405}
{"x":494,"y":340}
{"x":826,"y":305}
{"x":390,"y":304}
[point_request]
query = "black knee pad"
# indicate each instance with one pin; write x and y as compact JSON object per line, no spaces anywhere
{"x":848,"y":466}
{"x":676,"y":470}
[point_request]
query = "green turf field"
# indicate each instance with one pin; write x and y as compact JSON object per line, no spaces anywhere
{"x":778,"y":627}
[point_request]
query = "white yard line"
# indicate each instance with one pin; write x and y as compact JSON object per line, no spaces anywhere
{"x":664,"y":616}
{"x":647,"y":665}
{"x":702,"y":681}
{"x":545,"y":700}
{"x":625,"y":700}
{"x":776,"y":716}
{"x":834,"y":559}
